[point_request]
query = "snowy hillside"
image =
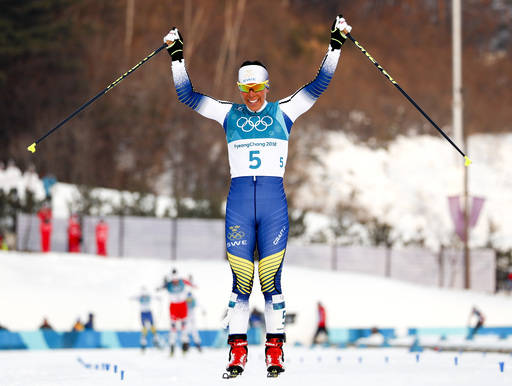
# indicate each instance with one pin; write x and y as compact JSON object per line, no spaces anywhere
{"x":406,"y":185}
{"x":63,"y":287}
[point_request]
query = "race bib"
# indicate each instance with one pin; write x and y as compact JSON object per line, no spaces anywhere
{"x":258,"y":157}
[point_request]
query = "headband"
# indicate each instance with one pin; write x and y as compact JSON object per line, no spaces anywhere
{"x":252,"y":74}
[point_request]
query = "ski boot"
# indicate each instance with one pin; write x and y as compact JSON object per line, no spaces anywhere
{"x":185,"y":347}
{"x":172,"y":350}
{"x":274,"y":356}
{"x":237,"y":355}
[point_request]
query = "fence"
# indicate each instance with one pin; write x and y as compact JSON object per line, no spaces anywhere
{"x":184,"y":238}
{"x":445,"y":269}
{"x":162,"y":238}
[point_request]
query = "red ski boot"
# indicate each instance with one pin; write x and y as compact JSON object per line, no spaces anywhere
{"x":237,"y":355}
{"x":274,"y":356}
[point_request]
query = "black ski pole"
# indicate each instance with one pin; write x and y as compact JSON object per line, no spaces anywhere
{"x":467,"y":160}
{"x":32,"y":147}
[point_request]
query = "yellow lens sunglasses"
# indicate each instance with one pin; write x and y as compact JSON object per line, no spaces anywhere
{"x":256,"y":87}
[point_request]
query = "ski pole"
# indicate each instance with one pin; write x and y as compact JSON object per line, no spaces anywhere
{"x":32,"y":147}
{"x":467,"y":160}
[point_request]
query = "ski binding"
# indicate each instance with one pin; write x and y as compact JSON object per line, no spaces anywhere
{"x":232,"y":373}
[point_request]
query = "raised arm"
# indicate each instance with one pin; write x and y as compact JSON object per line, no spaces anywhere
{"x":205,"y":105}
{"x":305,"y":97}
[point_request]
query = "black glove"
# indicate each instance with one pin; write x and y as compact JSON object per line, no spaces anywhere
{"x":337,"y":35}
{"x":174,"y":42}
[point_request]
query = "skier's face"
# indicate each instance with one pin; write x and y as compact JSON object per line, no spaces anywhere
{"x":254,"y":100}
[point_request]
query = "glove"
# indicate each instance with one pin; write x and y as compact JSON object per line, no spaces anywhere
{"x":174,"y":42}
{"x":338,"y":30}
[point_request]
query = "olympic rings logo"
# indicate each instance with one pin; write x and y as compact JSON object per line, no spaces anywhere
{"x":258,"y":123}
{"x":235,"y":235}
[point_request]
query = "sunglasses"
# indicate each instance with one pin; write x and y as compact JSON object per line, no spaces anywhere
{"x":256,"y":87}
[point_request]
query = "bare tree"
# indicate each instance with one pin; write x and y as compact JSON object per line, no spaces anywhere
{"x":233,"y":14}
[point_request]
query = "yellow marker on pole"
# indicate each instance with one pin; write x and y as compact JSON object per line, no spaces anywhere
{"x":32,"y":148}
{"x":468,"y":161}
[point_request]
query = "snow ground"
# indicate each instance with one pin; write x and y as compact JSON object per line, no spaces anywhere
{"x":64,"y":286}
{"x":348,"y":367}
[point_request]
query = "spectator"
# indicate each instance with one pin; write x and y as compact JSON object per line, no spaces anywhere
{"x":46,"y":234}
{"x":45,"y":213}
{"x":45,"y":325}
{"x":45,"y":227}
{"x":101,"y":237}
{"x":48,"y":181}
{"x":321,"y":334}
{"x":90,"y":323}
{"x":78,"y":326}
{"x":74,"y":234}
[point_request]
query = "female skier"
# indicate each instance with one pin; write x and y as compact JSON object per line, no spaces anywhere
{"x":257,"y":133}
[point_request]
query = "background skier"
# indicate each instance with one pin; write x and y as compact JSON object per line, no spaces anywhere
{"x":178,"y":289}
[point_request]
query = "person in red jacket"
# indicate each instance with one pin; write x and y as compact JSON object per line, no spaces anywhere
{"x":102,"y":237}
{"x":45,"y":227}
{"x":321,"y":334}
{"x":45,"y":213}
{"x":74,"y":234}
{"x":46,"y":234}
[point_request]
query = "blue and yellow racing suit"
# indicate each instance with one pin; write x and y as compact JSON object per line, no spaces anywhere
{"x":256,"y":211}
